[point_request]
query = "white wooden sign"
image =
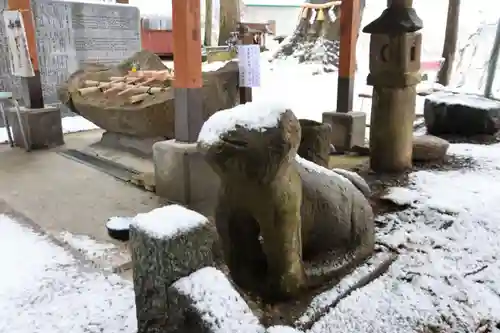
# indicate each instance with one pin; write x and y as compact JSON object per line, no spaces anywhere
{"x":214,"y":35}
{"x":20,"y":60}
{"x":249,"y":65}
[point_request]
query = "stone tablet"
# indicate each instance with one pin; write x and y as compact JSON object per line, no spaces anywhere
{"x":71,"y":34}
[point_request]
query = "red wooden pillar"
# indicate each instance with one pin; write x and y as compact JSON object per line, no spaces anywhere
{"x":188,"y":81}
{"x":349,"y":27}
{"x":31,"y":86}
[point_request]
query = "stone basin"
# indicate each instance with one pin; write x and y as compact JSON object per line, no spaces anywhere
{"x":154,"y":116}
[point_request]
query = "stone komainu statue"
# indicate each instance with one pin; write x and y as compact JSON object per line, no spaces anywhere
{"x":278,"y":212}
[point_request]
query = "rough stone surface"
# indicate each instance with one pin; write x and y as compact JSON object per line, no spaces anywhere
{"x":300,"y":209}
{"x":206,"y":302}
{"x":427,"y":148}
{"x":461,"y":114}
{"x":158,"y":261}
{"x":348,"y":129}
{"x":155,"y":115}
{"x":182,"y":175}
{"x":315,"y":147}
{"x":43,"y":127}
{"x":84,"y":33}
{"x":356,"y":180}
{"x":315,"y":141}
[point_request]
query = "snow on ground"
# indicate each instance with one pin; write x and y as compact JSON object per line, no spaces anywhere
{"x":447,"y":273}
{"x":105,"y":255}
{"x":69,"y":124}
{"x":44,"y":289}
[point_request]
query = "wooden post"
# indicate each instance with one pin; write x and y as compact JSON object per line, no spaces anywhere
{"x":245,"y":39}
{"x":188,"y":81}
{"x":31,"y":87}
{"x":492,"y":64}
{"x":450,"y":42}
{"x":349,"y":27}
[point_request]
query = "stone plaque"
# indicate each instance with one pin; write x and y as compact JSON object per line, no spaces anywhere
{"x":70,"y":34}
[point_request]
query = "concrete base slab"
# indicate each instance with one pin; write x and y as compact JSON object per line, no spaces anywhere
{"x":43,"y":127}
{"x":142,"y":147}
{"x":182,"y":175}
{"x":348,"y":129}
{"x":60,"y":194}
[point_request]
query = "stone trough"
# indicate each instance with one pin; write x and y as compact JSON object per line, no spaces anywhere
{"x":151,"y":119}
{"x":180,"y":286}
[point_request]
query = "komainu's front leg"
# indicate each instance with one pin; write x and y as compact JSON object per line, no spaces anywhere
{"x":281,"y":232}
{"x":239,"y":236}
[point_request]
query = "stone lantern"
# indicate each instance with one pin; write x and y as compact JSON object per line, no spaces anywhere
{"x":395,"y":48}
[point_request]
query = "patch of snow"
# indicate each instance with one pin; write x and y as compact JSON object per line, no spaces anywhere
{"x":168,"y":221}
{"x":253,"y":116}
{"x":213,"y":66}
{"x":218,"y":302}
{"x":445,"y":276}
{"x":282,"y":329}
{"x":77,"y":124}
{"x":463,"y":99}
{"x":119,"y":223}
{"x":87,"y":245}
{"x":355,"y":179}
{"x":402,"y":196}
{"x":325,"y":300}
{"x":313,"y":167}
{"x":69,"y":125}
{"x":106,"y":256}
{"x":44,"y":289}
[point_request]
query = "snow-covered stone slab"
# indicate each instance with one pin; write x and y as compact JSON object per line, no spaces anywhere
{"x":361,"y":276}
{"x":206,"y":302}
{"x":461,"y":114}
{"x":402,"y":196}
{"x":167,"y":243}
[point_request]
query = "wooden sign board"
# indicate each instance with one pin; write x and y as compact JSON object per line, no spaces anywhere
{"x":20,"y":60}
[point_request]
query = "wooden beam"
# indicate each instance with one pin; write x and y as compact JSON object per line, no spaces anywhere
{"x":188,"y":81}
{"x":349,"y":27}
{"x":31,"y":86}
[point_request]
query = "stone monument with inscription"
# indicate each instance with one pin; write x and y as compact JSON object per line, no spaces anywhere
{"x":72,"y":34}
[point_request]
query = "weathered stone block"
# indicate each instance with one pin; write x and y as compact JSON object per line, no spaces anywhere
{"x":461,"y":114}
{"x":182,"y":174}
{"x":206,"y":302}
{"x":167,"y":243}
{"x":43,"y":127}
{"x":348,"y":129}
{"x":428,"y":148}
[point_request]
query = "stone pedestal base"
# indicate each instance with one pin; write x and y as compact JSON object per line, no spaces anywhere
{"x":348,"y":129}
{"x":138,"y":146}
{"x":43,"y":127}
{"x":182,"y":175}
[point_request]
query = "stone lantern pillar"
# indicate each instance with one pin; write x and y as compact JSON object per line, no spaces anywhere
{"x":395,"y":48}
